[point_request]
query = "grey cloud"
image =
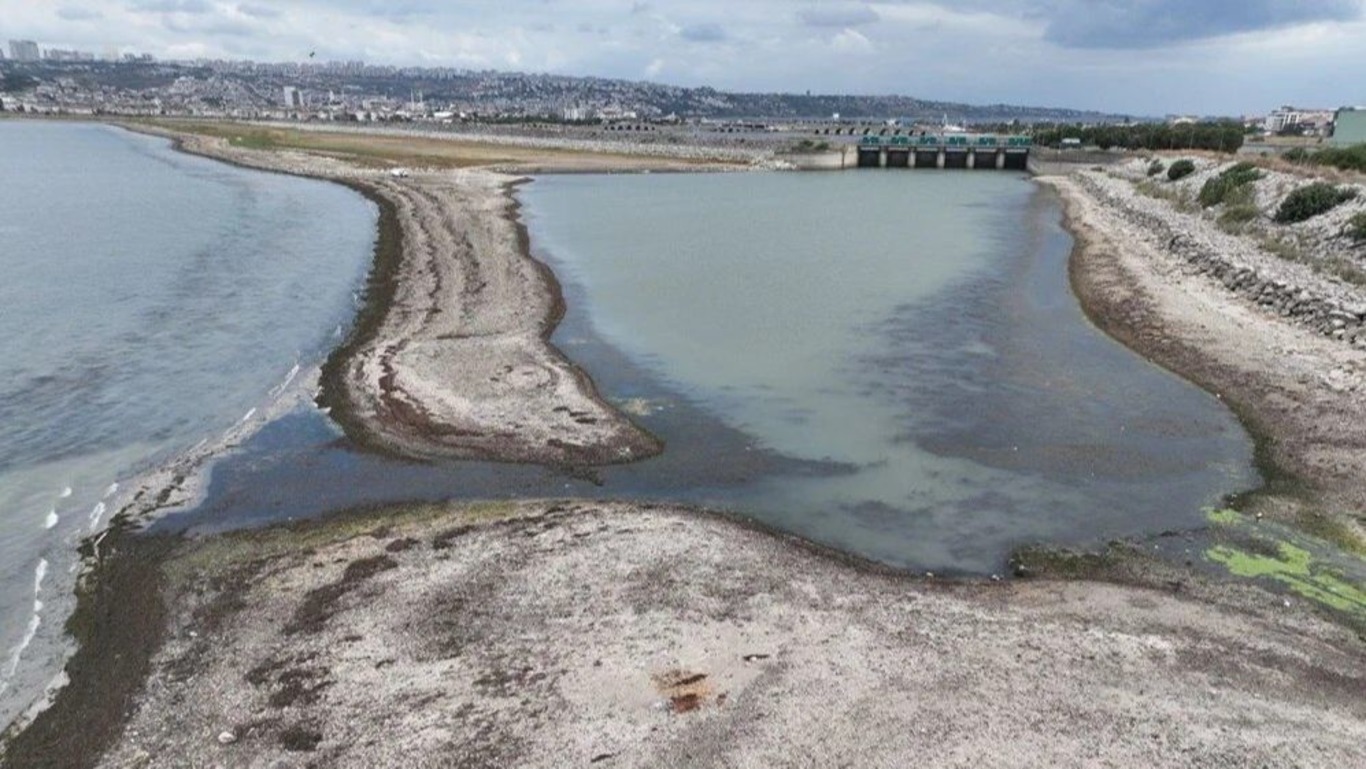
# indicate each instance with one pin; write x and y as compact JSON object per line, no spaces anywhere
{"x":703,"y":33}
{"x":171,"y":6}
{"x":842,"y":16}
{"x":218,"y":27}
{"x":259,"y":11}
{"x":71,"y":13}
{"x":1154,"y":23}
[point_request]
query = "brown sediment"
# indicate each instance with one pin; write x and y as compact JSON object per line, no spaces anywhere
{"x":119,"y":621}
{"x":1309,"y":437}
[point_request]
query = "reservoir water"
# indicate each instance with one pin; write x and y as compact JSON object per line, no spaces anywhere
{"x":888,"y":362}
{"x":149,"y":301}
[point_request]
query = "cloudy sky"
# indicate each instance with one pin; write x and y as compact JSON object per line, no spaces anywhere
{"x":1147,"y":57}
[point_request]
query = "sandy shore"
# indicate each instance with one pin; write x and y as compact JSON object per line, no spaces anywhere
{"x":577,"y":633}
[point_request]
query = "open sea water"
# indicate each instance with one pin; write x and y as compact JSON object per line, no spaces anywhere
{"x":148,"y":301}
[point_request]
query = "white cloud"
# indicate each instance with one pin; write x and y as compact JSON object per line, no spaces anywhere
{"x":851,"y":41}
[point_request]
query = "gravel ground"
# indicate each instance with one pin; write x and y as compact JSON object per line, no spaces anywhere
{"x":578,"y":634}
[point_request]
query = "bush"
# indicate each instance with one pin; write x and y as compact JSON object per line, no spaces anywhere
{"x":1296,"y":154}
{"x":1217,"y":189}
{"x":1156,"y":167}
{"x":1181,"y":169}
{"x":1351,"y":158}
{"x":1356,"y":227}
{"x":1310,"y":201}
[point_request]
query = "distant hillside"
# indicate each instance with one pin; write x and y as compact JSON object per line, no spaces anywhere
{"x":252,"y":85}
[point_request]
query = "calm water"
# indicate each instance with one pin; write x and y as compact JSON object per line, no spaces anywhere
{"x":915,"y":327}
{"x":889,"y":362}
{"x":149,"y":300}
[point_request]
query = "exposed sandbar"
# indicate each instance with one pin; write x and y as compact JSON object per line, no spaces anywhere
{"x":451,"y":358}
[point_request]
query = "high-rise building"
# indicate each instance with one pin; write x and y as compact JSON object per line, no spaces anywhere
{"x":294,"y":98}
{"x":23,"y":50}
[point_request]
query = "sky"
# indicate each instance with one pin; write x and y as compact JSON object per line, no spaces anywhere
{"x":1140,"y":57}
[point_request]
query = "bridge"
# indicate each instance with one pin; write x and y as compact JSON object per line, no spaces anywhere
{"x":983,"y":151}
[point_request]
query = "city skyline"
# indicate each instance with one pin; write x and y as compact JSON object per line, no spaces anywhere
{"x":1142,"y":57}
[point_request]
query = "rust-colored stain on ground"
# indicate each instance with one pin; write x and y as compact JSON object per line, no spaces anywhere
{"x":686,"y":691}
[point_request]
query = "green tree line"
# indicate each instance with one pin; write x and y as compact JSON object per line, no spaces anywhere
{"x":1221,"y":136}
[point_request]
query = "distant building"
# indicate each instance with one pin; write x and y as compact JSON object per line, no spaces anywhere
{"x":1349,"y":126}
{"x":57,"y":54}
{"x":24,"y":50}
{"x":1301,"y":120}
{"x":294,"y":98}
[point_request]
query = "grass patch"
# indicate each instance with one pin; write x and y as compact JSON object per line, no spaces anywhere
{"x":385,"y":150}
{"x":1156,"y":167}
{"x":1351,"y":158}
{"x":1356,"y":227}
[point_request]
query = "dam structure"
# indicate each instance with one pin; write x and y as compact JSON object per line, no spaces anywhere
{"x":972,"y":151}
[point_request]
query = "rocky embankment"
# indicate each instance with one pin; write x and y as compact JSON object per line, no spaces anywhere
{"x":1240,"y":262}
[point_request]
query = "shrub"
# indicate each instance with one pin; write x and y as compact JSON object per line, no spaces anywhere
{"x":1356,"y":227}
{"x":1351,"y":158}
{"x":1156,"y":167}
{"x":1310,"y":201}
{"x":1181,"y":169}
{"x":1296,"y":154}
{"x":1218,"y":188}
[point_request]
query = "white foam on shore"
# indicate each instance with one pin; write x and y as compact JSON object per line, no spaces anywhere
{"x":39,"y":575}
{"x":18,"y":652}
{"x":66,"y":492}
{"x":96,"y":515}
{"x":51,"y":520}
{"x":111,"y":491}
{"x":279,"y":389}
{"x":247,"y":417}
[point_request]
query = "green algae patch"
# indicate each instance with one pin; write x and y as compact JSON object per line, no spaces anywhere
{"x":1297,"y":569}
{"x":1225,"y":517}
{"x":1318,"y":565}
